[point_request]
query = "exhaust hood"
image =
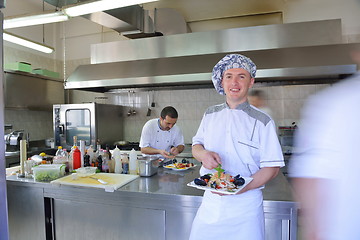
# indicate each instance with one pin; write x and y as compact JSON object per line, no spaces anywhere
{"x":295,"y":52}
{"x":133,"y":21}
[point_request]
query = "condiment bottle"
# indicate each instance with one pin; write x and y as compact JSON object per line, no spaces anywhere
{"x":125,"y":163}
{"x":116,"y":156}
{"x":91,"y":153}
{"x":133,"y":162}
{"x":86,"y":160}
{"x":76,"y":158}
{"x":105,"y":161}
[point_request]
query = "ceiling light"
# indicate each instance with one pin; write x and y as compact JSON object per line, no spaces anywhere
{"x":29,"y":20}
{"x":27,"y":43}
{"x":98,"y":6}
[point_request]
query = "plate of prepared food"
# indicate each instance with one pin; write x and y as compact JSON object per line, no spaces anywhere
{"x":180,"y":166}
{"x":220,"y":182}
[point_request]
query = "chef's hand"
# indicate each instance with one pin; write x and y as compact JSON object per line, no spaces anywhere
{"x":174,"y":151}
{"x":166,"y":154}
{"x":209,"y":159}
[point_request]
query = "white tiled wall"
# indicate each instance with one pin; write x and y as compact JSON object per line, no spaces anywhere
{"x":284,"y":101}
{"x":38,"y":124}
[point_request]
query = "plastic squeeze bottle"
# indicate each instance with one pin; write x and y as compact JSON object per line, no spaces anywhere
{"x":133,"y":162}
{"x":76,"y":158}
{"x":116,"y":156}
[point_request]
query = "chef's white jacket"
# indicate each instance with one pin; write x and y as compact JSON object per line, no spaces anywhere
{"x":245,"y":139}
{"x":153,"y":136}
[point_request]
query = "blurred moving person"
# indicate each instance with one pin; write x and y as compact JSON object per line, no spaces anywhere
{"x":257,"y":98}
{"x":325,"y":170}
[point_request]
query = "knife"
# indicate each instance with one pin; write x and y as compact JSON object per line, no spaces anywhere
{"x":99,"y":180}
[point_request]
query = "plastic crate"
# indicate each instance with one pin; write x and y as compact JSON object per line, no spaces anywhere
{"x":19,"y":66}
{"x":46,"y":72}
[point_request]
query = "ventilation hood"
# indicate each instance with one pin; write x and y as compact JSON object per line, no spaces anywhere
{"x":133,"y":21}
{"x":294,"y":53}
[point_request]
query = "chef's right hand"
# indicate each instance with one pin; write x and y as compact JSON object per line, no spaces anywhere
{"x":166,"y":154}
{"x":209,"y":159}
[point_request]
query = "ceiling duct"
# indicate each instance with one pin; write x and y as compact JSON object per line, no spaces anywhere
{"x":282,"y":52}
{"x":133,"y":21}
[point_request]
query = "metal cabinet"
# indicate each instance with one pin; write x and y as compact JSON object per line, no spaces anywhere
{"x":26,"y":212}
{"x":45,"y":211}
{"x":88,"y":220}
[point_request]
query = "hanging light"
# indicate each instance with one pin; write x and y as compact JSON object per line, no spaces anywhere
{"x":30,"y":20}
{"x":27,"y":43}
{"x":98,"y":6}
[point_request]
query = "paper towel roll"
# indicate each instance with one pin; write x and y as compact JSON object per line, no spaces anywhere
{"x":23,"y":155}
{"x":82,"y":150}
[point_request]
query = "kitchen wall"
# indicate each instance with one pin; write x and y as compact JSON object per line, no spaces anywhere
{"x":38,"y":124}
{"x":285,"y":102}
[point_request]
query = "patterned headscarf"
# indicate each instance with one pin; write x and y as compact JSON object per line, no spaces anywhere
{"x":228,"y":62}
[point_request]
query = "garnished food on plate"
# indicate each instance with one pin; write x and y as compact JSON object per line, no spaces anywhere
{"x":220,"y":180}
{"x":180,"y":165}
{"x":183,"y":165}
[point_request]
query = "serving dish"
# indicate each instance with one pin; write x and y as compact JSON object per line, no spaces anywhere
{"x":239,"y":188}
{"x":175,"y":168}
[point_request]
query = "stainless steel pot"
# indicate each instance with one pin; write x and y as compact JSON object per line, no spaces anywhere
{"x":148,"y":165}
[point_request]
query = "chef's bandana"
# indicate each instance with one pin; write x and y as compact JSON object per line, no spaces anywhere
{"x":228,"y":62}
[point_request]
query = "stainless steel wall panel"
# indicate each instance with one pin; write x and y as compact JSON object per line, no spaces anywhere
{"x":23,"y":90}
{"x":221,"y":41}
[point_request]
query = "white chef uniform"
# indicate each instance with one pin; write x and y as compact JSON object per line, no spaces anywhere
{"x":327,"y":147}
{"x":245,"y":139}
{"x":153,"y":136}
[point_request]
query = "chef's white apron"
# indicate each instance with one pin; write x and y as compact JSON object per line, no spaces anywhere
{"x":239,"y":217}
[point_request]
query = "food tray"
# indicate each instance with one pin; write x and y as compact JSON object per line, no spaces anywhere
{"x":247,"y":181}
{"x":173,"y":167}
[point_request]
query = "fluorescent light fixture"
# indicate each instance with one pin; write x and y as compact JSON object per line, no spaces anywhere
{"x":98,"y":6}
{"x":29,"y":20}
{"x":27,"y":43}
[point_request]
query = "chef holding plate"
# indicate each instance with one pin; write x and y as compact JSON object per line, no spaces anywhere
{"x":243,"y":140}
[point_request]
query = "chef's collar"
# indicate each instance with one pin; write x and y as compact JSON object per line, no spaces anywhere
{"x":160,"y":126}
{"x":241,"y":106}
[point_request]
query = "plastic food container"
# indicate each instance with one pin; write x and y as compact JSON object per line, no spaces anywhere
{"x":48,"y":172}
{"x":148,"y":166}
{"x":85,"y":171}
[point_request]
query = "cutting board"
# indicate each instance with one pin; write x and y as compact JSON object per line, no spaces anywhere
{"x":114,"y":181}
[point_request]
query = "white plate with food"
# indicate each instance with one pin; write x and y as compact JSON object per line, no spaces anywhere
{"x":180,"y":166}
{"x":220,"y":183}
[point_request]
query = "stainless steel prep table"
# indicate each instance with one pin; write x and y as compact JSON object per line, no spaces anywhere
{"x":157,"y":207}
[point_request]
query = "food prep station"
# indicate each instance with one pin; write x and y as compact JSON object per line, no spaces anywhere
{"x":156,"y":207}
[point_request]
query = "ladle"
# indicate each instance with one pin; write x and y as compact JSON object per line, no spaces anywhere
{"x":133,"y":111}
{"x":148,"y":113}
{"x":129,"y":112}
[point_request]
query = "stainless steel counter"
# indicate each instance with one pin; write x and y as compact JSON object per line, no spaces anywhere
{"x":161,"y":203}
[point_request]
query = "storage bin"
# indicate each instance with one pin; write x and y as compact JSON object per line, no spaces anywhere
{"x":46,"y":72}
{"x":18,"y":66}
{"x":48,"y":172}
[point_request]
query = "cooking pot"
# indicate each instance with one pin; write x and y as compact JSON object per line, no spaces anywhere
{"x":148,"y":165}
{"x":121,"y":143}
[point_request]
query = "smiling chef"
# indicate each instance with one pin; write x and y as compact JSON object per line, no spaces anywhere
{"x":243,"y":140}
